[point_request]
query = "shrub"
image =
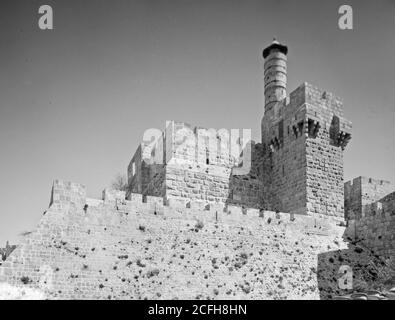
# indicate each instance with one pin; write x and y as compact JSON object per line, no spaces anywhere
{"x":120,"y":182}
{"x":26,"y":280}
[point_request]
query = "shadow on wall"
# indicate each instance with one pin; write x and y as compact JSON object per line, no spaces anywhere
{"x":248,"y":189}
{"x":5,"y":252}
{"x":356,"y":269}
{"x":203,"y":182}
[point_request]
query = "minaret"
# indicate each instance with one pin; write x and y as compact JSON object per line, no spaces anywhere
{"x":275,"y":74}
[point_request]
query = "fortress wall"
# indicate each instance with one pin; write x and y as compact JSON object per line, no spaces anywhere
{"x":195,"y":182}
{"x":323,"y":125}
{"x":199,"y":165}
{"x":155,"y":185}
{"x":373,"y":190}
{"x":285,"y":156}
{"x":376,"y":228}
{"x":145,"y":249}
{"x":248,"y":189}
{"x":352,"y":199}
{"x":305,"y":136}
{"x":362,"y":191}
{"x":64,"y":192}
{"x":135,"y":171}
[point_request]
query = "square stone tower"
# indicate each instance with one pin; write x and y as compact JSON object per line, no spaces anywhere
{"x":303,"y":138}
{"x":362,"y":192}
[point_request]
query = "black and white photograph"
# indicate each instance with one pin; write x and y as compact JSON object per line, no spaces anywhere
{"x":197,"y":155}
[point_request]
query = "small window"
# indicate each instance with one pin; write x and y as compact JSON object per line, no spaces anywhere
{"x":133,"y":169}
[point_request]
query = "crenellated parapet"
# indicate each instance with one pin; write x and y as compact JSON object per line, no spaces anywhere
{"x":375,"y":225}
{"x":340,"y":132}
{"x":364,"y":195}
{"x":66,"y":192}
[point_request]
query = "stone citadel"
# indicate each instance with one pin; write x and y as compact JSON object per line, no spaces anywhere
{"x":211,"y":214}
{"x":297,"y":168}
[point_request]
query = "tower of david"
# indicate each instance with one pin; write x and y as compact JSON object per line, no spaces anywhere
{"x":208,"y":213}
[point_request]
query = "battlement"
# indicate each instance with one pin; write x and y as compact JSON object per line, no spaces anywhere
{"x":297,"y":168}
{"x":65,"y":192}
{"x":307,"y":93}
{"x":75,"y":195}
{"x":304,"y":137}
{"x":199,"y":164}
{"x":304,"y":112}
{"x":315,"y":96}
{"x":361,"y":193}
{"x":375,"y":226}
{"x":147,"y":248}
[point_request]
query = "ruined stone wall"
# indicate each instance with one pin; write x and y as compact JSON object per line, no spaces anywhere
{"x":304,"y":153}
{"x":361,"y":192}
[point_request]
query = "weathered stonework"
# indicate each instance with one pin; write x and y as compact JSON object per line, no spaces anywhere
{"x":131,"y":249}
{"x":194,"y":224}
{"x":194,"y":163}
{"x":370,"y":211}
{"x":363,"y":191}
{"x":298,"y":167}
{"x":303,"y":137}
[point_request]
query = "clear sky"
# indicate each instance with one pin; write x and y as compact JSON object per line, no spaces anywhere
{"x":75,"y":101}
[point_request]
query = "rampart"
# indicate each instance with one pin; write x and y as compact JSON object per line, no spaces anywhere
{"x":114,"y":248}
{"x":193,"y":163}
{"x":375,"y":227}
{"x":361,"y":192}
{"x":303,"y":137}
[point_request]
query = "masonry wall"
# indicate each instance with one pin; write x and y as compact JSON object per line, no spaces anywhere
{"x":328,"y":134}
{"x":361,"y":192}
{"x":376,"y":227}
{"x":206,"y":183}
{"x":353,"y":199}
{"x":249,"y":189}
{"x":284,"y":160}
{"x":198,"y":164}
{"x":304,"y":138}
{"x":135,"y":171}
{"x":130,"y":249}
